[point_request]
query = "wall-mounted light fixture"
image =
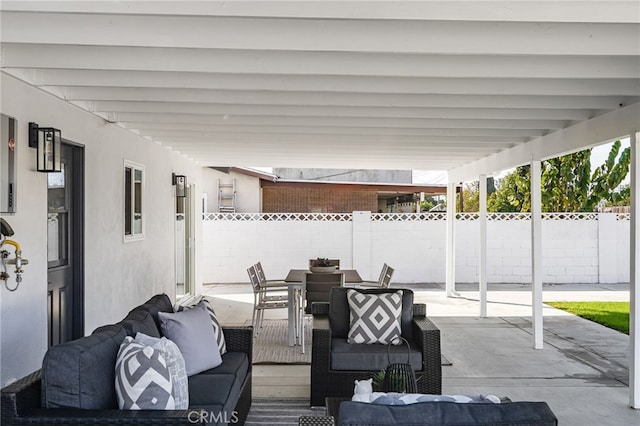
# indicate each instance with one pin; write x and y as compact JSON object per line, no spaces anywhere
{"x":47,"y":141}
{"x":180,"y":181}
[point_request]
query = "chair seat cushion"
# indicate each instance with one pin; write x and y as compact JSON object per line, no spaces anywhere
{"x":353,"y":357}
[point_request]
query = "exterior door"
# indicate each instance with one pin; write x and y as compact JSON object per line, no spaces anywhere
{"x":65,"y":252}
{"x":184,"y":244}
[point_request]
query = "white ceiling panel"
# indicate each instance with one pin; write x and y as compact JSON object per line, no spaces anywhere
{"x":447,"y":85}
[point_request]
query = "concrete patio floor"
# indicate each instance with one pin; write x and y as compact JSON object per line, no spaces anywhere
{"x":582,"y":371}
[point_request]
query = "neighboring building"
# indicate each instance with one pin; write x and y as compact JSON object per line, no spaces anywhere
{"x":341,"y":175}
{"x":237,"y":187}
{"x":285,"y":196}
{"x":255,"y":191}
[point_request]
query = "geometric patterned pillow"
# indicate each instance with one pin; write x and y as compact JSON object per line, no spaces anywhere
{"x":143,"y":381}
{"x":217,"y":330}
{"x":175,"y":364}
{"x":374,"y":318}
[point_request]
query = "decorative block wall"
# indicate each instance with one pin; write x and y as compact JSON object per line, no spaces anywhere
{"x":577,"y":247}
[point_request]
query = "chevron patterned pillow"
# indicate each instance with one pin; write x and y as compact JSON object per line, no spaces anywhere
{"x":143,"y":381}
{"x":217,"y":329}
{"x":374,"y":317}
{"x":175,"y":364}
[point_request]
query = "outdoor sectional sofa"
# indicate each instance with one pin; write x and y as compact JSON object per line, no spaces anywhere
{"x":77,"y":381}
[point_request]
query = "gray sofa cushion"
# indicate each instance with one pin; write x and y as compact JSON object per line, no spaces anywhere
{"x":353,"y":357}
{"x":236,"y":363}
{"x":339,"y":310}
{"x":447,"y":413}
{"x":81,"y":373}
{"x":220,"y":385}
{"x":137,"y":321}
{"x":211,"y":389}
{"x":158,"y":303}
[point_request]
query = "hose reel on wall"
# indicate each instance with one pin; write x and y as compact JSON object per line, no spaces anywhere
{"x":18,"y":260}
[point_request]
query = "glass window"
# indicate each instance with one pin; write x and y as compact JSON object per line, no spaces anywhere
{"x":133,"y":201}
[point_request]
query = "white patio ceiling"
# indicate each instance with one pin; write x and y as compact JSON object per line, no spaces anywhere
{"x":469,"y":87}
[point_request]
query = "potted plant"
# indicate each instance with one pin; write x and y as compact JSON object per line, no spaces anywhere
{"x":322,"y":265}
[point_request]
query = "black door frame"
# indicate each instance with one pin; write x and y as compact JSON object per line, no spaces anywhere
{"x":77,"y":235}
{"x":76,"y":238}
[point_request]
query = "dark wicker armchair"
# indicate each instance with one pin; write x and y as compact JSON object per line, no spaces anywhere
{"x":330,"y":327}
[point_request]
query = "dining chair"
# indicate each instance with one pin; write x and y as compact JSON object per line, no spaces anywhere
{"x":317,"y":287}
{"x":265,"y":283}
{"x":383,"y":281}
{"x":264,"y":298}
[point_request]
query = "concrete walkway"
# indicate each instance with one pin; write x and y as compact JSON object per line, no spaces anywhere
{"x":582,"y":371}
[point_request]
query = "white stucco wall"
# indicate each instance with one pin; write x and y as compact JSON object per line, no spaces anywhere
{"x":248,"y":198}
{"x":118,"y":275}
{"x":574,"y":250}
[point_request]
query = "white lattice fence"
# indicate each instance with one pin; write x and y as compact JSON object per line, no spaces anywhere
{"x":278,"y":217}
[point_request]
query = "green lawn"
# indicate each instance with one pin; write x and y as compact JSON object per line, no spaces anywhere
{"x":610,"y":314}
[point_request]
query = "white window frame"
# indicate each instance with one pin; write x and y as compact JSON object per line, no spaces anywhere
{"x":133,"y":236}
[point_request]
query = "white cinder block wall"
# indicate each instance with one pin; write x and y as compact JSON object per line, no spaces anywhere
{"x":574,"y":250}
{"x":229,"y":247}
{"x":118,"y":275}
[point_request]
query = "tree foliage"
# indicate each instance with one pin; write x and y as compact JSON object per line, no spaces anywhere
{"x":567,"y":184}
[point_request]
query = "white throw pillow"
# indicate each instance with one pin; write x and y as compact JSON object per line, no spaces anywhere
{"x":175,"y":363}
{"x":143,"y":381}
{"x":191,"y":330}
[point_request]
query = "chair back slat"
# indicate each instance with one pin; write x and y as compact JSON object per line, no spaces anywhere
{"x":260,"y":272}
{"x":386,"y":278}
{"x":253,"y":277}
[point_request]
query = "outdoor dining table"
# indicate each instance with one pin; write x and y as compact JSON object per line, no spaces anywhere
{"x":295,"y":312}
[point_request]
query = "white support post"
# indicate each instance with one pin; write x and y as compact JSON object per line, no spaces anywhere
{"x":536,"y":252}
{"x":634,"y":318}
{"x":482,"y":267}
{"x":450,"y":283}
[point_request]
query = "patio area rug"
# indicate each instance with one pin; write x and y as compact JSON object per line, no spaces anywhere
{"x":272,"y":411}
{"x":271,"y":345}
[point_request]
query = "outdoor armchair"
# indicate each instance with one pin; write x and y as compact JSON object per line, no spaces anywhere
{"x":335,"y":364}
